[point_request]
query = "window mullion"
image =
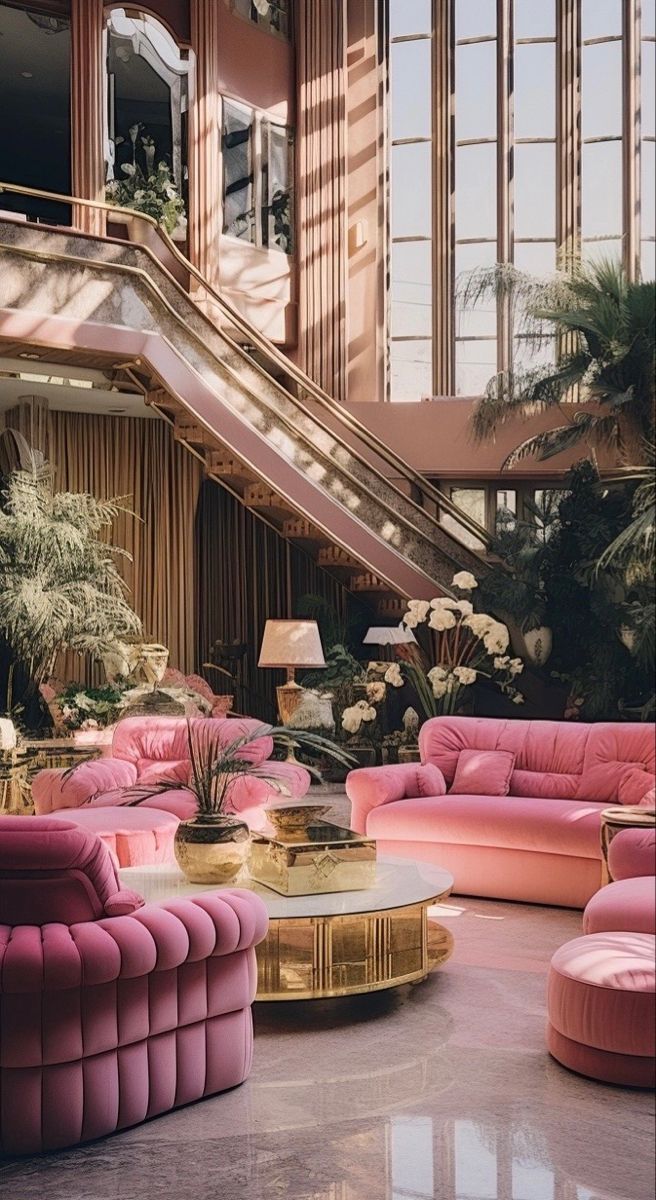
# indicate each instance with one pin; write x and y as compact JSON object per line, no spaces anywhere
{"x":631,"y":135}
{"x":504,"y":171}
{"x":568,"y":132}
{"x":257,"y":177}
{"x":443,"y":67}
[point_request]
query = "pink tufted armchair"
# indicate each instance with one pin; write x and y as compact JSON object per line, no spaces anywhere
{"x":112,"y":1011}
{"x":146,"y":750}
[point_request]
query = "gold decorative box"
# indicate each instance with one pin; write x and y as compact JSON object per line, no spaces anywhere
{"x":327,"y":859}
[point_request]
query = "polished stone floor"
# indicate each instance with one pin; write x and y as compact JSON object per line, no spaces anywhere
{"x":438,"y":1092}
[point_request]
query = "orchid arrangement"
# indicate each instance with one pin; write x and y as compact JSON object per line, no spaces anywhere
{"x":470,"y":646}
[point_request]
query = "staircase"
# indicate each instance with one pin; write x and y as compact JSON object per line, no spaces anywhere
{"x":261,"y":428}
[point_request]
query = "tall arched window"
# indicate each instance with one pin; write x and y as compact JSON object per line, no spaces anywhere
{"x":520,"y":131}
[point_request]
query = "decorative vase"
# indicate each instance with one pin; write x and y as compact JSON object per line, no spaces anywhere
{"x":538,"y":644}
{"x":409,"y":754}
{"x":212,"y":848}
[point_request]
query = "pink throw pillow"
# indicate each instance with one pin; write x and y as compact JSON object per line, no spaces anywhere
{"x":483,"y":773}
{"x":636,"y":787}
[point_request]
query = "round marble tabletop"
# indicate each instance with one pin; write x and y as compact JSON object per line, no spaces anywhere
{"x":399,"y":883}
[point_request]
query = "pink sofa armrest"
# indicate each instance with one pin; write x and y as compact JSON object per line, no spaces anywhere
{"x":631,"y":853}
{"x":53,"y":789}
{"x":370,"y":787}
{"x":154,"y":938}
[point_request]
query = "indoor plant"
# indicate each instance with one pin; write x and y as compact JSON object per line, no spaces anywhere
{"x":213,"y":845}
{"x":468,"y":647}
{"x":145,"y":187}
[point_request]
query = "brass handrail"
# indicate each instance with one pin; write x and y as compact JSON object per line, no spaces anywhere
{"x":442,"y":501}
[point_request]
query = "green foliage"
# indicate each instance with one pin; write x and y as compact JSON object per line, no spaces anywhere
{"x":60,"y":587}
{"x":605,"y":327}
{"x":145,"y":187}
{"x":514,"y":586}
{"x":593,"y":610}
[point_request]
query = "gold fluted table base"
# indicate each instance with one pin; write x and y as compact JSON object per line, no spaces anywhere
{"x":312,"y":958}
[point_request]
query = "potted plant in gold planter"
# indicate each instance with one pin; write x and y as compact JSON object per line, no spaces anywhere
{"x":213,"y":846}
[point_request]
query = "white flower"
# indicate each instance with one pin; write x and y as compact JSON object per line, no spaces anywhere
{"x":367,"y":713}
{"x":417,"y":612}
{"x":393,"y":676}
{"x":437,"y":673}
{"x":351,"y":720}
{"x":516,"y":666}
{"x":444,"y":602}
{"x":501,"y":662}
{"x":376,"y":692}
{"x":464,"y":581}
{"x":129,"y":169}
{"x":496,"y":638}
{"x":479,"y":623}
{"x":464,"y":608}
{"x":439,"y":689}
{"x":518,"y":698}
{"x":465,"y":675}
{"x":441,"y":619}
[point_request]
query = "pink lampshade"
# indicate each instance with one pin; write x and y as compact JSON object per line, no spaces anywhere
{"x":291,"y":644}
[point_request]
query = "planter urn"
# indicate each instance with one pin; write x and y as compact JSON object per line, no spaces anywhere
{"x":212,"y":848}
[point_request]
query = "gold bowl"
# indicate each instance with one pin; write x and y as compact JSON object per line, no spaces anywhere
{"x":291,"y":819}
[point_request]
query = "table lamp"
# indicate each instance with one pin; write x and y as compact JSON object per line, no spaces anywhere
{"x":290,"y":644}
{"x":388,"y":635}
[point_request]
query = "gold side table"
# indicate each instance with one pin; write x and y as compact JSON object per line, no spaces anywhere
{"x":629,"y":816}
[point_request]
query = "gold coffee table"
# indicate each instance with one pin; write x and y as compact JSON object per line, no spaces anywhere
{"x":627,"y":816}
{"x":335,"y":943}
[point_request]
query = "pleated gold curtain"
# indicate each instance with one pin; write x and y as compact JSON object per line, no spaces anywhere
{"x":247,"y":573}
{"x":321,"y":191}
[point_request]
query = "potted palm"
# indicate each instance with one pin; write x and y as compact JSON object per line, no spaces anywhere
{"x":213,"y":846}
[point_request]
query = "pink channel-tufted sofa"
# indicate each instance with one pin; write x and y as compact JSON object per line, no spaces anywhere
{"x":601,"y":993}
{"x":111,"y":1011}
{"x":538,"y":838}
{"x":146,"y":750}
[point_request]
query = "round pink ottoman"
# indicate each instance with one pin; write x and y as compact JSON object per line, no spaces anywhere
{"x":625,"y":904}
{"x":137,"y":836}
{"x":600,"y":1004}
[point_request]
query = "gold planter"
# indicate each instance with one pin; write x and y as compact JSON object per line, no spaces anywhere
{"x":212,"y":849}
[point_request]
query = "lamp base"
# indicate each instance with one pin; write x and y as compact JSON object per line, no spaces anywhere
{"x":288,"y":697}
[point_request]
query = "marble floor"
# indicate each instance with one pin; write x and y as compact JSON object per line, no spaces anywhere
{"x":442,"y":1091}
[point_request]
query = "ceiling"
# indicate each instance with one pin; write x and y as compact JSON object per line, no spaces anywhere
{"x":69,"y":388}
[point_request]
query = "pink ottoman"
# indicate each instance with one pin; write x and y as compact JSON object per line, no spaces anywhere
{"x":600,"y":1003}
{"x":137,"y":836}
{"x":625,"y":904}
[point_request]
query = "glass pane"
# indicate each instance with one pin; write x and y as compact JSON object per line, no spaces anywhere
{"x":648,"y":96}
{"x":476,"y":363}
{"x":475,"y":18}
{"x":411,"y":190}
{"x":601,"y":18}
{"x":601,"y":90}
{"x":605,"y":250}
{"x":535,"y":190}
{"x":506,"y":503}
{"x":526,"y":355}
{"x":277,"y":175}
{"x":409,"y":16}
{"x":535,"y":18}
{"x":648,"y":260}
{"x":476,"y":97}
{"x":411,"y":288}
{"x":271,"y":16}
{"x":471,"y":501}
{"x":648,"y":171}
{"x":601,"y":202}
{"x":411,"y":371}
{"x":481,"y":320}
{"x":476,"y":191}
{"x":238,"y":211}
{"x":648,"y":18}
{"x":410,"y":95}
{"x":535,"y":90}
{"x":536,"y":258}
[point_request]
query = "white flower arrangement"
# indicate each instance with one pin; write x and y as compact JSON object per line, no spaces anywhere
{"x":393,"y":676}
{"x":470,"y":645}
{"x":359,"y":714}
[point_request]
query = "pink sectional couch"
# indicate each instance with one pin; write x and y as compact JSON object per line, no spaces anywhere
{"x":112,"y":1011}
{"x":146,"y":750}
{"x":601,"y":994}
{"x":524,"y":824}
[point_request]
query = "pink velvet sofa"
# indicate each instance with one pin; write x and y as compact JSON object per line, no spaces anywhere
{"x":522,"y":823}
{"x":146,"y":750}
{"x":112,"y":1012}
{"x":601,"y":993}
